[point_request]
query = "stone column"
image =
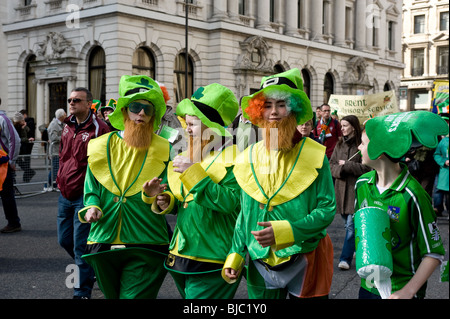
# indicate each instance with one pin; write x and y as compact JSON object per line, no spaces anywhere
{"x":233,"y":10}
{"x":220,"y":9}
{"x":315,"y":20}
{"x":40,"y":102}
{"x":291,"y":10}
{"x":70,"y":86}
{"x":398,"y":40}
{"x":263,"y":15}
{"x":339,"y":23}
{"x":360,"y":34}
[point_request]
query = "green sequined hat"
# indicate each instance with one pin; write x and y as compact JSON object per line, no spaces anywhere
{"x":290,"y":85}
{"x":138,"y":87}
{"x":215,"y":105}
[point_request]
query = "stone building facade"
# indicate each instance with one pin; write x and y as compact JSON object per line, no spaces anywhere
{"x":425,"y":50}
{"x":52,"y":46}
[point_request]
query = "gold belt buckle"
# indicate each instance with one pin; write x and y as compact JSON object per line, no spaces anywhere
{"x":117,"y":247}
{"x":170,"y":260}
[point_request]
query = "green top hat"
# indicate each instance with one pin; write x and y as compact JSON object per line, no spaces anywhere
{"x":394,"y":134}
{"x":286,"y":82}
{"x":110,"y":106}
{"x":214,"y":104}
{"x":138,"y":87}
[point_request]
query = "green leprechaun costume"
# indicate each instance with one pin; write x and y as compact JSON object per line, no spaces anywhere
{"x":206,"y":199}
{"x":293,"y":190}
{"x":127,"y":246}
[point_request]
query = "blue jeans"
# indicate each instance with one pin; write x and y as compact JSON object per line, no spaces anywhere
{"x":349,"y":242}
{"x":72,"y":236}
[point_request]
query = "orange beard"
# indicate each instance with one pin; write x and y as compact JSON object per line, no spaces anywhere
{"x":196,"y":148}
{"x":138,"y":136}
{"x":281,"y":135}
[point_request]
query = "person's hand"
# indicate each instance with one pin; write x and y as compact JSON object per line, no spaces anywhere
{"x":31,"y":139}
{"x":446,"y":163}
{"x":265,"y":237}
{"x":181,"y":163}
{"x":341,"y":162}
{"x":231,"y":273}
{"x":154,"y":187}
{"x":401,"y":294}
{"x":163,"y":201}
{"x":92,"y":215}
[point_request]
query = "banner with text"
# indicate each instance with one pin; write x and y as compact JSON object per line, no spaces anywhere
{"x":364,"y":106}
{"x":440,"y":97}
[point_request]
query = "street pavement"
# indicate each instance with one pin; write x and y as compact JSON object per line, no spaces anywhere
{"x":34,"y":266}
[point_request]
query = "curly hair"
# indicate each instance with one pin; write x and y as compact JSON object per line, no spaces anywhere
{"x":255,"y":107}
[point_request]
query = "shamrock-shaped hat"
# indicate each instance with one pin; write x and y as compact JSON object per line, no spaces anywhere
{"x":138,"y":87}
{"x":287,"y":85}
{"x":394,"y":134}
{"x":214,"y":104}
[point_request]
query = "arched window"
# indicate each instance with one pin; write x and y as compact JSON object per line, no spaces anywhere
{"x":97,"y":74}
{"x":306,"y":82}
{"x":30,"y":97}
{"x":143,"y":63}
{"x":387,"y":87}
{"x":180,"y":77}
{"x":328,"y":87}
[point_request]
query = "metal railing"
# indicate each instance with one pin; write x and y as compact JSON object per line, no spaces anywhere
{"x":36,"y":172}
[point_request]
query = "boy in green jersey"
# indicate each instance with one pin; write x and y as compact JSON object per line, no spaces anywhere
{"x":416,"y":243}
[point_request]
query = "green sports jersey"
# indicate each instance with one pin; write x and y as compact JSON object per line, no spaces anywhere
{"x":414,"y":232}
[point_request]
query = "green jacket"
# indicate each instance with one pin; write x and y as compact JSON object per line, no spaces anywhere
{"x":440,"y":156}
{"x":293,"y":190}
{"x":113,"y":184}
{"x":207,"y":207}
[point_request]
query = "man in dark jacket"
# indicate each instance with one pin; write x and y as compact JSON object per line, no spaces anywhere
{"x":81,"y":126}
{"x":328,"y":130}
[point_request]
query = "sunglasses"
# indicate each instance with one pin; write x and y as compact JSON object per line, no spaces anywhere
{"x":136,"y":107}
{"x":74,"y":100}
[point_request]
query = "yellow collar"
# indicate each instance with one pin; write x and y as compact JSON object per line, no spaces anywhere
{"x":122,"y":169}
{"x":214,"y":164}
{"x":271,"y":170}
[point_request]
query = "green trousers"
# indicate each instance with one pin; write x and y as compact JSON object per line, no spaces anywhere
{"x":204,"y":286}
{"x":129,"y":273}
